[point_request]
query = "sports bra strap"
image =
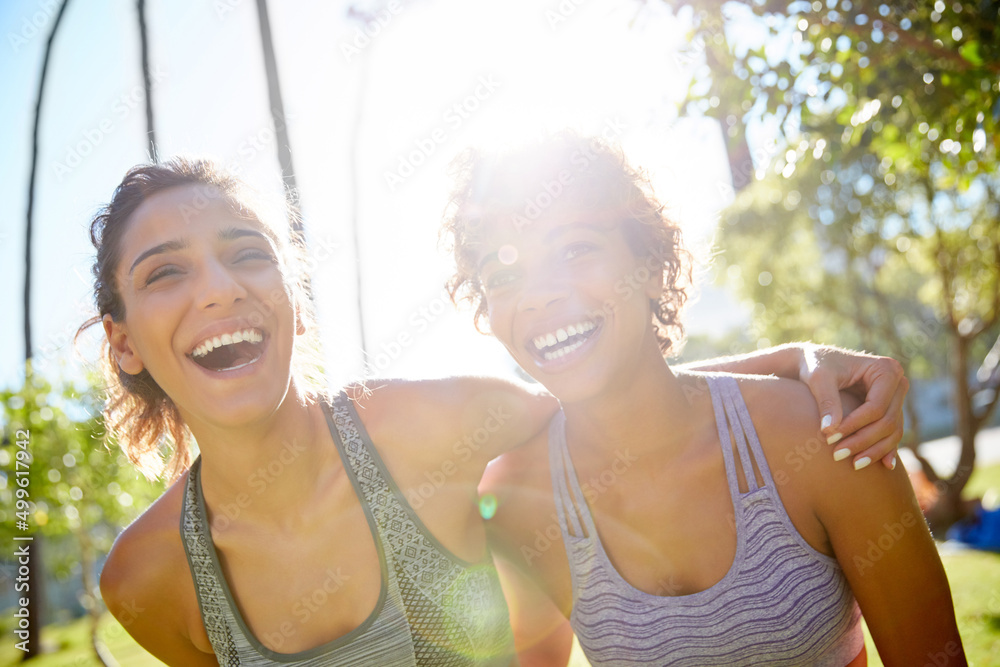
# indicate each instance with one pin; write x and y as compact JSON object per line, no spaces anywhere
{"x":726,"y":390}
{"x":569,"y":498}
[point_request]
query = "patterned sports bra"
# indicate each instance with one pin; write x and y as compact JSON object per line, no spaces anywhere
{"x":433,"y":609}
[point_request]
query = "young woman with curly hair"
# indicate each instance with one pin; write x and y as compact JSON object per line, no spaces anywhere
{"x":673,"y":517}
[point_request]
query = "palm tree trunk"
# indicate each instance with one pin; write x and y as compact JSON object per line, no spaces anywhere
{"x":356,"y":189}
{"x":284,"y":144}
{"x":31,"y":181}
{"x":36,"y":574}
{"x":146,"y":81}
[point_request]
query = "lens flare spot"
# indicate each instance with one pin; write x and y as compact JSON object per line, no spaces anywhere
{"x":488,"y":506}
{"x":507,"y":255}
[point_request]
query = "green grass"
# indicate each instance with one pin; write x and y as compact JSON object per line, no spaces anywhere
{"x":974,"y":578}
{"x":68,"y":645}
{"x":982,"y":480}
{"x":975,"y":587}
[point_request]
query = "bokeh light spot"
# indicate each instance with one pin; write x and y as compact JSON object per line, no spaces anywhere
{"x":488,"y":506}
{"x":507,"y":255}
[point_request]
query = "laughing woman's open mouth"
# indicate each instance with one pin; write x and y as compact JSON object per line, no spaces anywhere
{"x":229,"y":351}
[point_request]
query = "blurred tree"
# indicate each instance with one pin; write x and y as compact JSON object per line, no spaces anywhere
{"x":874,"y":217}
{"x":76,"y":486}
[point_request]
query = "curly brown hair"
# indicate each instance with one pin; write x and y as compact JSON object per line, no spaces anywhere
{"x":138,"y":413}
{"x":564,"y":171}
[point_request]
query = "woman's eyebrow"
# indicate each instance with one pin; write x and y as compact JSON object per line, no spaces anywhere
{"x":233,"y":233}
{"x":487,"y":258}
{"x":227,"y":234}
{"x":169,"y":246}
{"x":559,"y":230}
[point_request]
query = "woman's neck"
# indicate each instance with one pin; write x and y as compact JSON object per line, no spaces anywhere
{"x":645,"y":413}
{"x":286,"y":454}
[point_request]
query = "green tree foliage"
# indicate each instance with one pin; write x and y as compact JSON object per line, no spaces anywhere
{"x":873,"y":217}
{"x":915,"y":85}
{"x":76,"y":487}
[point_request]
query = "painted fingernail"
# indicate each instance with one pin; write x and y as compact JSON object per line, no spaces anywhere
{"x":862,"y":462}
{"x":841,"y":454}
{"x":827,"y":420}
{"x":834,"y":439}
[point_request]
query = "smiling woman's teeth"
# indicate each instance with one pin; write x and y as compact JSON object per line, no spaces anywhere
{"x":547,"y":343}
{"x":563,"y":351}
{"x":244,"y":336}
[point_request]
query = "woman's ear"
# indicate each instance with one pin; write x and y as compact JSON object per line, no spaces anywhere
{"x":121,"y":346}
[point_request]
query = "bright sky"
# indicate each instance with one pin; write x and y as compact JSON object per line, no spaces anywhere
{"x":442,"y":74}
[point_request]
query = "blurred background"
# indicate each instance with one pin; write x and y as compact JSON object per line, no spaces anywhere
{"x":834,"y":163}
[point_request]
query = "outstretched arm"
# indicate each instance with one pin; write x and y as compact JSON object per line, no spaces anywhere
{"x":869,"y":433}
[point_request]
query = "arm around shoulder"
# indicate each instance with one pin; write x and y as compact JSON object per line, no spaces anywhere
{"x":543,"y":637}
{"x":519,"y":482}
{"x":871,"y":432}
{"x":489,"y":416}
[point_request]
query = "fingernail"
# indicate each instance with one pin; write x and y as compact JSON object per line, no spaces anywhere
{"x":892,"y":463}
{"x":862,"y":462}
{"x":827,"y":420}
{"x":834,"y":439}
{"x":841,"y":454}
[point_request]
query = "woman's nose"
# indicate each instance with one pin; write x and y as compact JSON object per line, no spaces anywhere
{"x":542,"y":290}
{"x":218,"y":286}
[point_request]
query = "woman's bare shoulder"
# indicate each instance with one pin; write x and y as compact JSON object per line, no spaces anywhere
{"x":154,"y":535}
{"x":783,"y":411}
{"x":146,"y":583}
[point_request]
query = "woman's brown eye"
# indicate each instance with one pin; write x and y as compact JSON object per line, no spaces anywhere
{"x":162,"y":272}
{"x":576,"y":249}
{"x":499,"y":279}
{"x":254,"y":253}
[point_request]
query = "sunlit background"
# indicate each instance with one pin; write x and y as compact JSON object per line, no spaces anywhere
{"x":871,"y":138}
{"x":424,"y":80}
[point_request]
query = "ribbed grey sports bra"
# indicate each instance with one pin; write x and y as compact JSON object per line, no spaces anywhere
{"x":781,"y":603}
{"x":433,"y":609}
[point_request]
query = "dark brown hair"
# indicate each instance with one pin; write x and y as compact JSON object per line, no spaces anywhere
{"x":138,"y":413}
{"x":564,"y":171}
